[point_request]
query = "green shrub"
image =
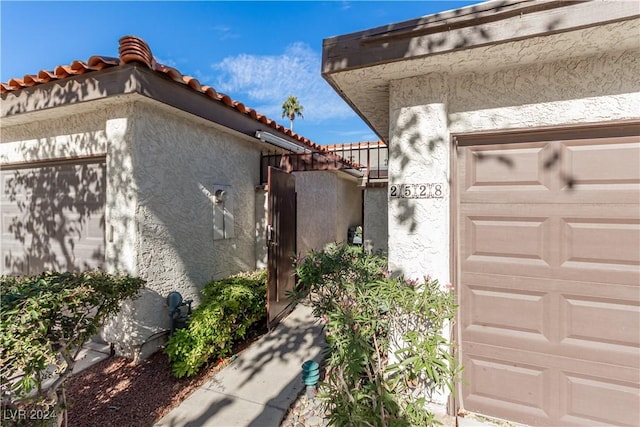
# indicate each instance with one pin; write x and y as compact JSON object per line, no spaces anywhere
{"x":385,"y":351}
{"x":228,"y":309}
{"x":45,"y":319}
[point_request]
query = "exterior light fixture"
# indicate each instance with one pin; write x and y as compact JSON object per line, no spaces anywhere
{"x":354,"y":172}
{"x":220,"y":196}
{"x":280,"y":142}
{"x":288,"y":145}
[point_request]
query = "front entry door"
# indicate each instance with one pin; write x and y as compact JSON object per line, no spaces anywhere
{"x":281,"y":242}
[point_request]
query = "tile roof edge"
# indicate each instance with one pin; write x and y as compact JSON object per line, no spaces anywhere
{"x":133,"y":49}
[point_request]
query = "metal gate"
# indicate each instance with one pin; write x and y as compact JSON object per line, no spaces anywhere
{"x":281,"y":242}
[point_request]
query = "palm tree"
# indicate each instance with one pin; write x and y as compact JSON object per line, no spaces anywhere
{"x":292,"y":108}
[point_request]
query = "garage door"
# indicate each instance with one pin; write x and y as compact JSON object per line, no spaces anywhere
{"x":53,"y":217}
{"x":548,"y":268}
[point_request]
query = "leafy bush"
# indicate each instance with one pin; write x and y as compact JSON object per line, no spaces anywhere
{"x":45,"y":319}
{"x":229,"y":308}
{"x":385,"y":350}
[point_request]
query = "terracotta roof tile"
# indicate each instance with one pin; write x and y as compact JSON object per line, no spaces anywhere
{"x":133,"y":49}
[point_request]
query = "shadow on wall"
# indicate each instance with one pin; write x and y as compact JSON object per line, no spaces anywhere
{"x":474,"y":35}
{"x":55,"y":215}
{"x":412,"y":150}
{"x":69,"y":92}
{"x":410,"y":132}
{"x":416,"y":147}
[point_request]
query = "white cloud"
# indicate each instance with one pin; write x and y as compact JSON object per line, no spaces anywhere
{"x":263,"y":82}
{"x":225,"y":32}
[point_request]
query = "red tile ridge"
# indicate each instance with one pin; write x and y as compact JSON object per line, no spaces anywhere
{"x":134,"y":49}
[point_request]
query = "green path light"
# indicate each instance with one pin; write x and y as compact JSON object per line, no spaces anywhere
{"x":310,"y":376}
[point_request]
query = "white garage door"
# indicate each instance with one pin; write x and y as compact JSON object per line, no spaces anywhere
{"x":53,"y":217}
{"x":549,"y":275}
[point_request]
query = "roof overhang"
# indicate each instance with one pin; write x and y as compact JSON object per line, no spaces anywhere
{"x":495,"y":34}
{"x":54,"y":98}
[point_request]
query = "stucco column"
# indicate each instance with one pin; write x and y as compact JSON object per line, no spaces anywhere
{"x":261,"y":207}
{"x":120,"y":209}
{"x":419,"y":154}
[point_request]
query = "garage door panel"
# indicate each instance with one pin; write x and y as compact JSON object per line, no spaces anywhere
{"x":508,"y":384}
{"x":494,"y":237}
{"x":596,"y":243}
{"x":574,"y":195}
{"x":53,"y":217}
{"x":596,"y":211}
{"x":602,"y":241}
{"x":535,"y":388}
{"x":596,"y":352}
{"x":549,"y":279}
{"x":585,"y":162}
{"x":601,"y":321}
{"x":552,"y":172}
{"x":587,"y":394}
{"x":593,"y":321}
{"x":605,"y":291}
{"x":490,"y":376}
{"x":512,"y":167}
{"x":508,"y":309}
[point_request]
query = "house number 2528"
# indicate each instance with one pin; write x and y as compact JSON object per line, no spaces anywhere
{"x":429,"y":190}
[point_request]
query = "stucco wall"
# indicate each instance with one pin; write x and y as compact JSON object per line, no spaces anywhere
{"x":162,"y":166}
{"x":575,"y":90}
{"x":317,"y":207}
{"x":349,"y":206}
{"x":75,"y":135}
{"x":100,"y":128}
{"x":419,"y":153}
{"x":376,"y":218}
{"x":425,"y":110}
{"x":178,"y":162}
{"x":261,"y":206}
{"x":327,"y":205}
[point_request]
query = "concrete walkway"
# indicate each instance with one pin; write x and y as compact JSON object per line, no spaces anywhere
{"x":92,"y":352}
{"x":259,"y":386}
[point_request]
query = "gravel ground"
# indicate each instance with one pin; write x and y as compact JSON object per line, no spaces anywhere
{"x":128,"y":394}
{"x":137,"y":395}
{"x":309,"y":412}
{"x":134,"y":395}
{"x":306,"y":411}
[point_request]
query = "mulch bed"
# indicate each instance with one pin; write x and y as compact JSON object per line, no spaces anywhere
{"x":122,"y":393}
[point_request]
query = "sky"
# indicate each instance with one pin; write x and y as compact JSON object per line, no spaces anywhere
{"x":257,"y":52}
